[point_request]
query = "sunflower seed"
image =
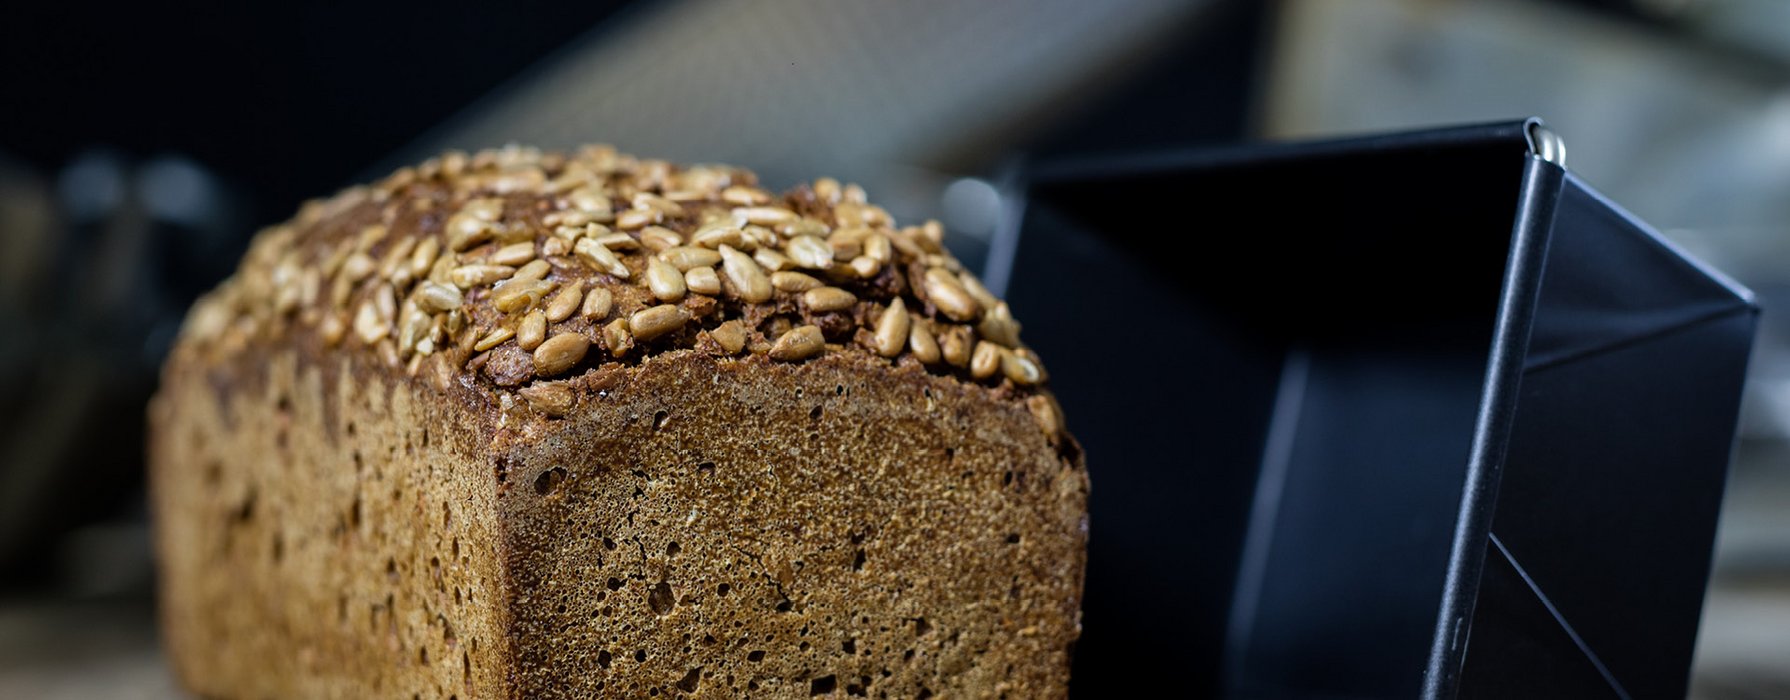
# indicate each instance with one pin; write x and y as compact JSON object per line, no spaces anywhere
{"x":666,"y":283}
{"x":424,"y":256}
{"x":385,"y":299}
{"x":565,"y":303}
{"x":850,"y":213}
{"x":810,"y":252}
{"x":515,"y":180}
{"x":551,"y":398}
{"x":648,"y":200}
{"x":357,"y":267}
{"x":794,"y":282}
{"x":513,"y":295}
{"x":469,"y":276}
{"x":772,"y":260}
{"x":534,"y":270}
{"x":618,"y":241}
{"x":1020,"y":368}
{"x":717,"y":237}
{"x":493,"y":339}
{"x":731,"y":336}
{"x":388,"y":352}
{"x":596,"y":304}
{"x":288,"y":298}
{"x":847,"y":242}
{"x":765,"y":216}
{"x":332,"y":328}
{"x":617,"y":338}
{"x":891,"y":329}
{"x":877,"y":247}
{"x":921,"y":342}
{"x":555,"y":246}
{"x":744,"y":196}
{"x":686,"y":257}
{"x":805,"y":226}
{"x":955,"y":345}
{"x":656,"y":321}
{"x":659,"y":238}
{"x":465,"y":232}
{"x":310,"y":285}
{"x":748,"y":281}
{"x":474,"y":223}
{"x":828,"y":299}
{"x":532,"y":331}
{"x":904,"y":241}
{"x":987,"y":360}
{"x":703,"y":280}
{"x":435,"y":298}
{"x":559,"y":353}
{"x":604,"y":259}
{"x":1050,"y":417}
{"x":998,"y":325}
{"x":592,"y":201}
{"x":636,"y":218}
{"x":397,"y":260}
{"x":827,"y":189}
{"x":414,"y":329}
{"x":571,"y":232}
{"x":368,"y":325}
{"x":799,"y":343}
{"x":866,"y":267}
{"x":974,"y":287}
{"x":949,"y":296}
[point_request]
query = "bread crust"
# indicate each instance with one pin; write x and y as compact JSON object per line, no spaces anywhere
{"x":431,"y":441}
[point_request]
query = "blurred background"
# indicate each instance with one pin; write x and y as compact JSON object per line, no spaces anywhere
{"x":141,"y":145}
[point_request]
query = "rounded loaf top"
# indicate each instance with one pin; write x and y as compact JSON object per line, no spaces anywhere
{"x":514,"y":268}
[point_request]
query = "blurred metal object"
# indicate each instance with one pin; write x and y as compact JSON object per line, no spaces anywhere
{"x":900,"y":97}
{"x":1692,"y":136}
{"x":27,"y":218}
{"x":100,"y":269}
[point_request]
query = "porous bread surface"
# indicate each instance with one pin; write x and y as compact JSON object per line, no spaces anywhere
{"x":325,"y":533}
{"x":407,"y":450}
{"x":777,"y":530}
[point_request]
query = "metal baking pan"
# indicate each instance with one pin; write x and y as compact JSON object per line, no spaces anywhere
{"x":1412,"y":415}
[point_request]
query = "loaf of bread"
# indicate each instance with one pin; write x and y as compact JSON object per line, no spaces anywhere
{"x":526,"y":425}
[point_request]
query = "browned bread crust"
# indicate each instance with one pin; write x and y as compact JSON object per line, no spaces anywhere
{"x":525,"y":425}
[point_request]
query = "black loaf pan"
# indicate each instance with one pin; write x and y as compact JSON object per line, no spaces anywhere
{"x":1413,"y":415}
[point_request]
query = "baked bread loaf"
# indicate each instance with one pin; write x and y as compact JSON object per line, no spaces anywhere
{"x":524,"y":425}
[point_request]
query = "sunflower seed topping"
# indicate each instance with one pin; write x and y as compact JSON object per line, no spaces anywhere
{"x":703,"y":280}
{"x":891,"y":329}
{"x":828,"y":299}
{"x":664,"y":280}
{"x":656,"y":321}
{"x":748,"y":280}
{"x":684,"y":257}
{"x":799,"y":343}
{"x":465,"y":253}
{"x":532,"y":331}
{"x":794,"y":282}
{"x":605,"y":259}
{"x":559,"y":353}
{"x":565,"y":303}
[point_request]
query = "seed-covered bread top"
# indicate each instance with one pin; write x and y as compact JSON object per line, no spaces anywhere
{"x":514,"y":273}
